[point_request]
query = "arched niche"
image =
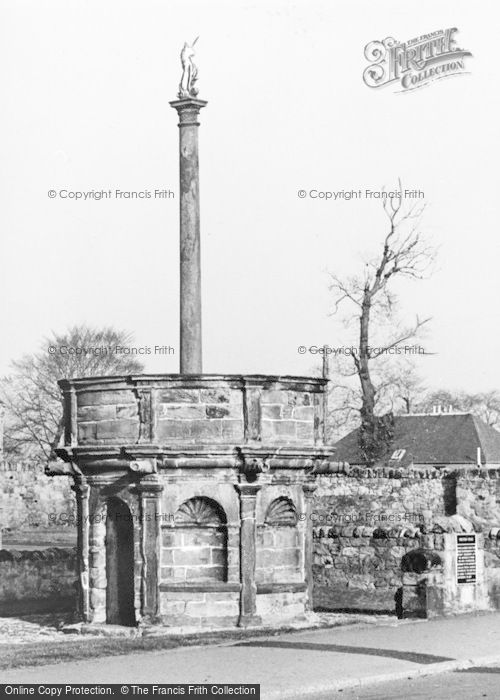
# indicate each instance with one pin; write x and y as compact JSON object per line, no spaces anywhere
{"x":198,"y":542}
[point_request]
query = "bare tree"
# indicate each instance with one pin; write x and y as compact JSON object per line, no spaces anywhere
{"x":399,"y":388}
{"x":485,"y":405}
{"x":404,"y":254}
{"x":31,"y":396}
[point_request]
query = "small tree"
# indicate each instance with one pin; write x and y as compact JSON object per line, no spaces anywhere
{"x":32,"y":399}
{"x":371,"y":301}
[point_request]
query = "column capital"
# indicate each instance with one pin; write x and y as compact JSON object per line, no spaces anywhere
{"x":149,"y":488}
{"x":248,"y":490}
{"x":80,"y":487}
{"x":188,"y":110}
{"x":309,"y":489}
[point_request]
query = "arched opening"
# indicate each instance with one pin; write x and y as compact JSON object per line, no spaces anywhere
{"x":119,"y":564}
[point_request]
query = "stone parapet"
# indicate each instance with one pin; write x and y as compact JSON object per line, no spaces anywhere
{"x":193,"y":410}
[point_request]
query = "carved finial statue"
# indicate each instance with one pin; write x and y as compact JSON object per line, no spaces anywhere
{"x":189,"y":72}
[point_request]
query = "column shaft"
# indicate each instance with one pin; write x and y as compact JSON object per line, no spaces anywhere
{"x":308,"y":544}
{"x":248,"y":533}
{"x":190,"y":268}
{"x":150,"y":495}
{"x":81,"y":490}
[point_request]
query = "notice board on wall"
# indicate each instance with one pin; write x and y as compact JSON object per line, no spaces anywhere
{"x":466,"y":559}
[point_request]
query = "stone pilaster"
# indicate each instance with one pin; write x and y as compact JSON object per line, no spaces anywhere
{"x":190,"y":271}
{"x":309,"y":490}
{"x":248,"y":536}
{"x":252,"y":413}
{"x":81,"y":490}
{"x":97,"y":563}
{"x":150,"y":511}
{"x":70,"y":413}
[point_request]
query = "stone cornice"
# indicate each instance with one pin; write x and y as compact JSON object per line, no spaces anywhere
{"x":194,"y":381}
{"x":197,"y":457}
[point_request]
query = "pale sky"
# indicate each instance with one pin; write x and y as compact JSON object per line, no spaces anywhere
{"x":86,"y":89}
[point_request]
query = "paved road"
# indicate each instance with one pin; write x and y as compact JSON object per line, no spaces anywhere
{"x":300,"y":665}
{"x":476,"y":684}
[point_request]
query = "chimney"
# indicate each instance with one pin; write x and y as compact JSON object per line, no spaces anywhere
{"x":188,"y":107}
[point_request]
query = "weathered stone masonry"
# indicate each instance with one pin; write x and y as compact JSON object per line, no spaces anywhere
{"x":367,"y":520}
{"x":215,"y":474}
{"x":36,"y":580}
{"x":35,"y":509}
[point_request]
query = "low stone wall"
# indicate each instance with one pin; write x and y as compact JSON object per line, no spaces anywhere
{"x":359,"y":568}
{"x":365,"y":521}
{"x":36,"y":580}
{"x":35,"y":509}
{"x":478,"y":497}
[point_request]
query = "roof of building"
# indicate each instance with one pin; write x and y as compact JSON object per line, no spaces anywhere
{"x":443,"y":438}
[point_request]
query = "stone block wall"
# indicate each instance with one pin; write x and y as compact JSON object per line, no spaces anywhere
{"x":280,"y":519}
{"x":37,"y":579}
{"x":198,"y":410}
{"x":280,"y":605}
{"x":200,"y":608}
{"x":287,"y":416}
{"x":107,"y":416}
{"x":209,"y":415}
{"x":278,"y":554}
{"x":194,"y":554}
{"x":35,"y":509}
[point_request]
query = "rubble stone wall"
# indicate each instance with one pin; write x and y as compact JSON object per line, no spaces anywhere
{"x":364,"y":522}
{"x":478,"y":497}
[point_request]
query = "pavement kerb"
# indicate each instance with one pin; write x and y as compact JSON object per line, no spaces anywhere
{"x":343,"y":684}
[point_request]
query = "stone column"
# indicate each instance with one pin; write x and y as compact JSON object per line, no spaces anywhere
{"x":150,"y":495}
{"x":81,"y":490}
{"x":248,"y":536}
{"x":190,"y":272}
{"x":309,"y":490}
